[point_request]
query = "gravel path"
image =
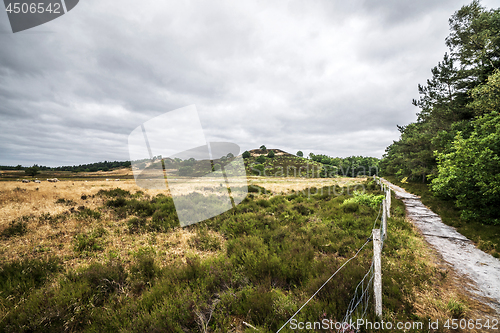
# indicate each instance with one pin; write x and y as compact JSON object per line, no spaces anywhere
{"x":466,"y":259}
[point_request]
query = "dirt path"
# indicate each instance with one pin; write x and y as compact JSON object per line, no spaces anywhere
{"x":467,"y":260}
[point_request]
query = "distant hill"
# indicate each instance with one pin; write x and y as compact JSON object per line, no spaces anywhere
{"x":283,"y":164}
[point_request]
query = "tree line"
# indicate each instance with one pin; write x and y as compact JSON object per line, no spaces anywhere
{"x":455,"y":143}
{"x":351,"y":166}
{"x":92,"y":167}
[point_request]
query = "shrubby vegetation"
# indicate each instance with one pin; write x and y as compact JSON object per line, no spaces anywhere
{"x":274,"y":162}
{"x":32,"y":171}
{"x":470,"y":173}
{"x":367,"y":199}
{"x":267,"y":256}
{"x":347,"y":167}
{"x":16,"y":228}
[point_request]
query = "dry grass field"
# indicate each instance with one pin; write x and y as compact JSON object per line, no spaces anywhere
{"x":36,"y":203}
{"x":285,"y":185}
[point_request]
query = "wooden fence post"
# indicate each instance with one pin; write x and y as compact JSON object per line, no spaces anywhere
{"x":384,"y":219}
{"x":377,"y":262}
{"x":388,"y":199}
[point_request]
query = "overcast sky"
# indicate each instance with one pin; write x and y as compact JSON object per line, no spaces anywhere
{"x":332,"y":77}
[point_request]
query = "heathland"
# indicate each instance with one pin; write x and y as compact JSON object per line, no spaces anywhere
{"x":97,"y":255}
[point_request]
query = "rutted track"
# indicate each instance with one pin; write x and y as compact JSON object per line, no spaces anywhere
{"x":466,"y":259}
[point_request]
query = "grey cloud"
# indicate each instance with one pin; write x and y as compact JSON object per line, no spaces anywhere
{"x":331,"y":76}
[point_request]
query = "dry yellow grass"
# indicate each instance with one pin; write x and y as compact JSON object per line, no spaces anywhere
{"x":43,"y":239}
{"x":19,"y":199}
{"x":287,"y":184}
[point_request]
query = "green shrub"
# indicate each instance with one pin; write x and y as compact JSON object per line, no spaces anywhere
{"x":79,"y":300}
{"x":136,"y":225}
{"x":104,"y":280}
{"x":141,"y":208}
{"x":65,"y":202}
{"x":365,"y":199}
{"x":116,"y":192}
{"x":88,"y":214}
{"x":277,"y":199}
{"x":145,"y":268}
{"x":258,"y":303}
{"x":90,"y":242}
{"x":20,"y":276}
{"x":164,"y":219}
{"x":118,"y":202}
{"x":303,"y":210}
{"x":16,"y":228}
{"x":138,"y":194}
{"x":258,"y":169}
{"x":186,"y":171}
{"x":204,"y":241}
{"x":263,"y":203}
{"x":350,"y":206}
{"x":256,"y":189}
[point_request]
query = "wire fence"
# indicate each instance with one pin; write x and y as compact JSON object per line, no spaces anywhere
{"x":338,"y":270}
{"x":361,"y":299}
{"x":360,"y":302}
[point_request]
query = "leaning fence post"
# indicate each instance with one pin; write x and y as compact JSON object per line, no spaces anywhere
{"x":377,"y":261}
